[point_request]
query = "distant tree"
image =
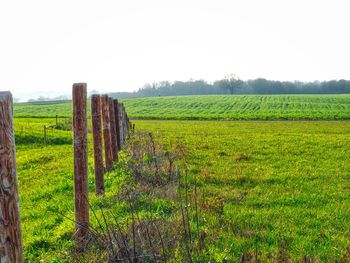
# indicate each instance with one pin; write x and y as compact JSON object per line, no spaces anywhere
{"x":232,"y":83}
{"x":43,"y":99}
{"x":263,"y":86}
{"x":92,"y":92}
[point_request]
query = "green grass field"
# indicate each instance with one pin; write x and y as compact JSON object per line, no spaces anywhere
{"x":234,"y":107}
{"x":270,"y":182}
{"x":263,"y":185}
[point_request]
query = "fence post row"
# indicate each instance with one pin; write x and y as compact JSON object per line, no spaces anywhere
{"x":113,"y":130}
{"x":11,"y":249}
{"x":116,"y":128}
{"x":97,"y":139}
{"x":80,"y":162}
{"x":10,"y":226}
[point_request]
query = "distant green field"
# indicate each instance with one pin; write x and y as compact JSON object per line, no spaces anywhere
{"x":215,"y":107}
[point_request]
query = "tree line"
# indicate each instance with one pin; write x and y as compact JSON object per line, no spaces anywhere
{"x":229,"y":85}
{"x":234,"y":85}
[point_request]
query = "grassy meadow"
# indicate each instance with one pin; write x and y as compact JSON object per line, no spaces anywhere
{"x":264,"y":187}
{"x":269,"y":184}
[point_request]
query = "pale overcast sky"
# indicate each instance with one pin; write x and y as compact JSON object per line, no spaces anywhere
{"x":115,"y":45}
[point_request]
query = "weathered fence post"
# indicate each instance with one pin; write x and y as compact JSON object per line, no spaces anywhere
{"x":10,"y":226}
{"x":80,"y":162}
{"x":106,"y":124}
{"x":117,"y":127}
{"x":120,"y":116}
{"x":97,"y":138}
{"x":124,"y":124}
{"x":123,"y":119}
{"x":113,"y":130}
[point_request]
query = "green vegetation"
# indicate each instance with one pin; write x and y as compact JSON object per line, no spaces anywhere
{"x":45,"y":187}
{"x":242,"y":107}
{"x":269,"y":186}
{"x":223,"y":107}
{"x":264,"y":187}
{"x":43,"y":109}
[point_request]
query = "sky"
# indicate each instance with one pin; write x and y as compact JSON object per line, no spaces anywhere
{"x":113,"y":45}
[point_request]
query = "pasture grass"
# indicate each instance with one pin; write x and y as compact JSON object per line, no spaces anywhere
{"x":269,"y":186}
{"x":263,"y":187}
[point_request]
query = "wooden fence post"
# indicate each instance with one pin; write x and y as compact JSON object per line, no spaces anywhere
{"x":10,"y":226}
{"x":124,"y":124}
{"x":113,"y":130}
{"x":106,"y":124}
{"x":120,"y":116}
{"x":80,"y":162}
{"x":97,"y":138}
{"x":117,"y":127}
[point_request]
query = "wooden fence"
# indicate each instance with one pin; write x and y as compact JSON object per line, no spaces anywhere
{"x":110,"y":127}
{"x":10,"y":225}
